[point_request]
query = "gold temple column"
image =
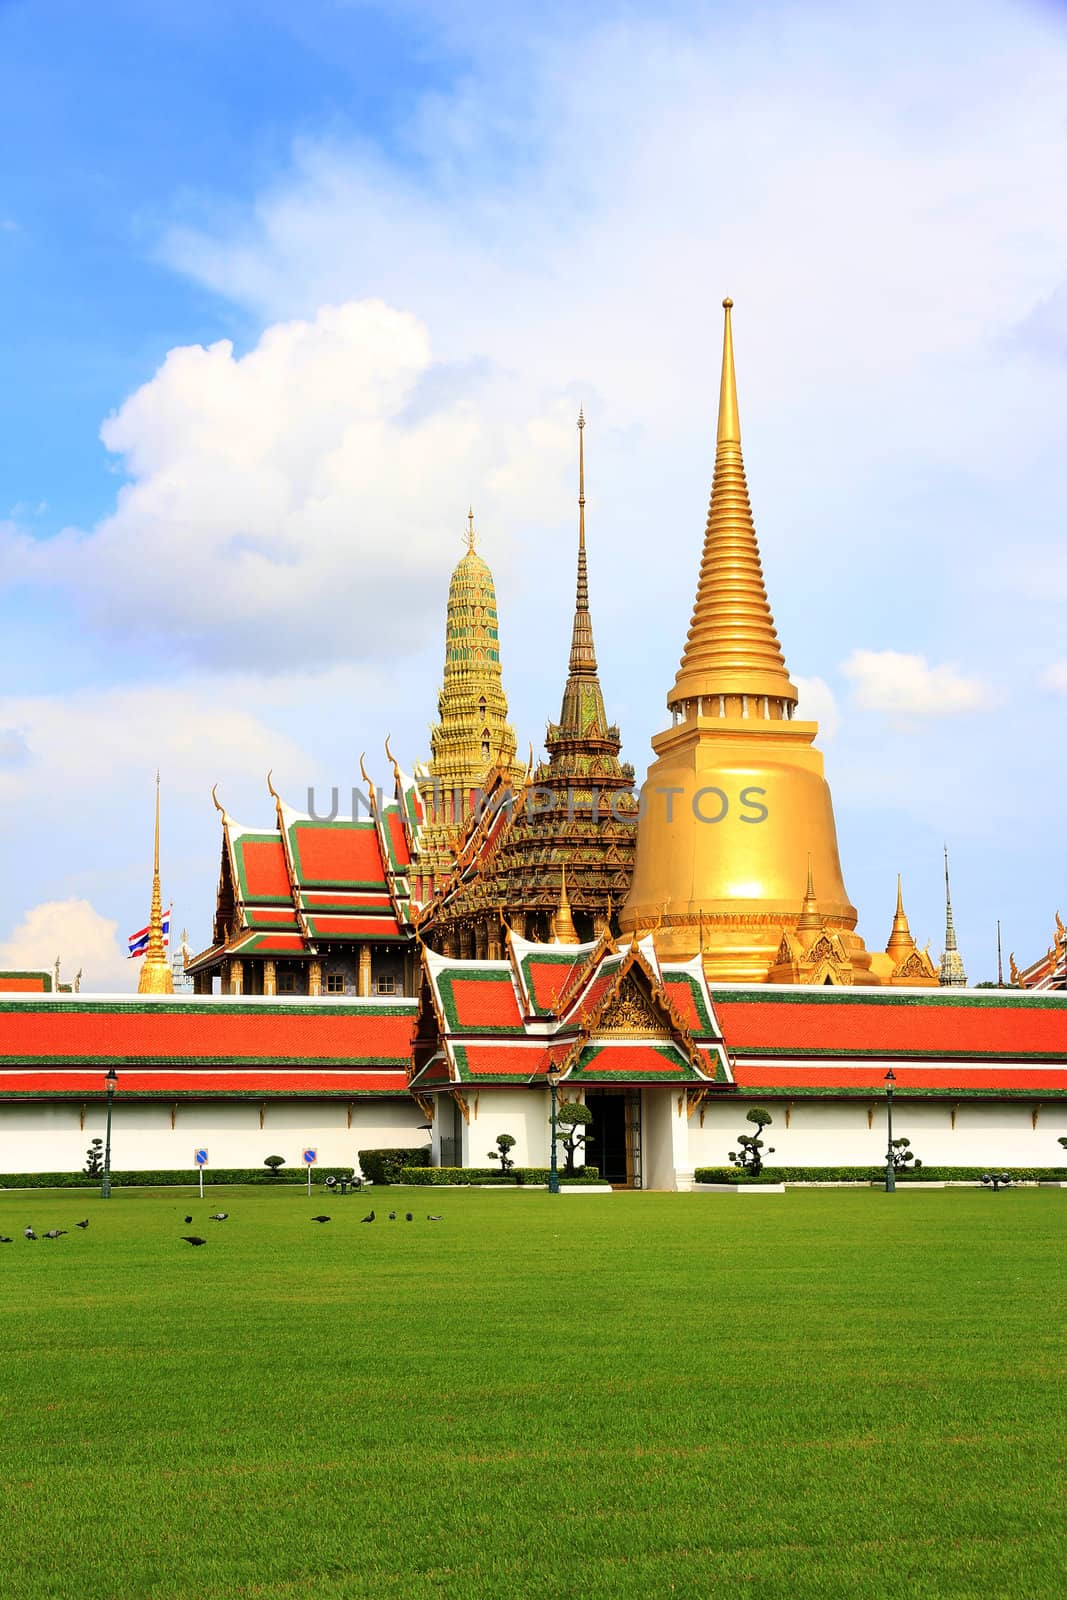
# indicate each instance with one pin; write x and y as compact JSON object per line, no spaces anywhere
{"x":496,"y":952}
{"x":315,"y":977}
{"x":237,"y":975}
{"x":270,"y":976}
{"x":481,"y":943}
{"x":363,"y":981}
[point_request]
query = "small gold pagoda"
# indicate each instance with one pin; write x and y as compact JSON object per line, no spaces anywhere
{"x":736,"y":804}
{"x":473,"y":736}
{"x":156,"y":976}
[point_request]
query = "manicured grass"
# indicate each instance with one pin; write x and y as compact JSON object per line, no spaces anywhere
{"x":817,"y":1394}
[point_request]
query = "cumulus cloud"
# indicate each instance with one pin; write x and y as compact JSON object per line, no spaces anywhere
{"x":818,"y":704}
{"x":908,"y":686}
{"x":304,"y":501}
{"x":1054,"y":677}
{"x":83,"y":940}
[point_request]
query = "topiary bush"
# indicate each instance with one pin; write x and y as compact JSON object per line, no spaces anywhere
{"x":274,"y":1162}
{"x":871,"y":1174}
{"x":384,"y":1166}
{"x":749,"y":1153}
{"x":571,"y":1119}
{"x":504,"y":1145}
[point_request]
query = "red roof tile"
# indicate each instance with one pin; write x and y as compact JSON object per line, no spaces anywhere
{"x":487,"y":1001}
{"x":1026,"y":1079}
{"x":222,"y":1031}
{"x":337,"y":853}
{"x":261,"y":864}
{"x":902,"y":1026}
{"x":171,"y":1082}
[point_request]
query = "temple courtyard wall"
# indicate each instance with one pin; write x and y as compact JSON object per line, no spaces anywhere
{"x":160,"y":1136}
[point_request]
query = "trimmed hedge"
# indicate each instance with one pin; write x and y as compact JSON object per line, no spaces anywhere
{"x":434,"y":1177}
{"x":175,"y":1180}
{"x":873,"y":1174}
{"x":384,"y":1166}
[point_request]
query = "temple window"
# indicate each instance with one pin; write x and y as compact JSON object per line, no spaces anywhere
{"x":384,"y":985}
{"x":286,"y":982}
{"x":335,"y":983}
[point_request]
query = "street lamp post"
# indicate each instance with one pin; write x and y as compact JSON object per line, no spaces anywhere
{"x":890,"y":1170}
{"x":553,"y":1076}
{"x":111,"y":1080}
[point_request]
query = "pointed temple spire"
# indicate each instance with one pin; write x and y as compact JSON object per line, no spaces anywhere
{"x":156,"y":977}
{"x":901,"y":943}
{"x":951,"y":974}
{"x":732,"y":655}
{"x":583,"y":653}
{"x":472,"y":537}
{"x":810,"y":917}
{"x":563,"y":929}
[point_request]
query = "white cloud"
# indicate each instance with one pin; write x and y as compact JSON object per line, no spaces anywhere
{"x":908,"y":686}
{"x":1054,"y":677}
{"x":75,"y":932}
{"x":303,"y":501}
{"x":818,"y":704}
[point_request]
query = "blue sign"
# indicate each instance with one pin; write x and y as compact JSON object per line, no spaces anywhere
{"x":200,"y":1157}
{"x":311,"y":1156}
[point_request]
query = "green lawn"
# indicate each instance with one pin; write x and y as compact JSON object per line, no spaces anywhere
{"x":822,"y":1393}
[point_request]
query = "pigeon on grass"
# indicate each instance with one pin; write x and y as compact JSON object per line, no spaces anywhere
{"x":188,"y":1220}
{"x":320,"y":1219}
{"x":28,"y":1233}
{"x":368,"y":1218}
{"x":192,"y":1238}
{"x":218,"y":1216}
{"x":4,"y":1239}
{"x":55,"y":1233}
{"x":408,"y":1216}
{"x":84,"y":1224}
{"x":431,"y":1218}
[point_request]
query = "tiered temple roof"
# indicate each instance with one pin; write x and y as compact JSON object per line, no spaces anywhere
{"x":311,"y":885}
{"x":600,"y":1014}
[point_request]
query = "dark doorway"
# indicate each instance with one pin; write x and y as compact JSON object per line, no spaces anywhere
{"x":451,"y":1131}
{"x":607,"y":1144}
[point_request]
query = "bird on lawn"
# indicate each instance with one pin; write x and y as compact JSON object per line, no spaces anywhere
{"x":218,"y":1216}
{"x":392,"y":1216}
{"x":55,"y":1233}
{"x":4,"y":1239}
{"x":320,"y":1219}
{"x":187,"y":1221}
{"x":28,"y":1233}
{"x":84,"y":1224}
{"x":368,"y":1218}
{"x":408,"y":1217}
{"x":430,"y":1218}
{"x":192,"y":1238}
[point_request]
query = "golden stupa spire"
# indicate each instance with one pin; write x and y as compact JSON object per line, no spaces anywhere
{"x":563,"y":929}
{"x":810,"y":917}
{"x":472,"y":537}
{"x":901,"y":943}
{"x":156,"y":977}
{"x":732,"y":656}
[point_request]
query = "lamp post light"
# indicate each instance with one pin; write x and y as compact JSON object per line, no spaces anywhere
{"x":890,"y":1171}
{"x":111,"y":1080}
{"x":553,"y":1076}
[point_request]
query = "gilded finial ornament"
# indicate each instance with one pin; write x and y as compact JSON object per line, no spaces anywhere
{"x":270,"y":785}
{"x":471,"y":536}
{"x":1016,"y":975}
{"x":156,"y":976}
{"x":215,"y":797}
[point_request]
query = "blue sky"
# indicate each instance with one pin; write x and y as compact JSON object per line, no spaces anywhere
{"x":282,"y":289}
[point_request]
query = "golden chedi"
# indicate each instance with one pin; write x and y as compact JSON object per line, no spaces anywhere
{"x":736,"y":805}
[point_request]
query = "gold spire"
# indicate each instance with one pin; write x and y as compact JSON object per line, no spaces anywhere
{"x":563,"y":929}
{"x":583,"y":654}
{"x":156,"y":977}
{"x":732,"y":649}
{"x":810,"y":918}
{"x":901,"y":943}
{"x":472,"y":537}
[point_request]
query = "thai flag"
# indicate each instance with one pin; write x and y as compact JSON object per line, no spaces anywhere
{"x":138,"y":942}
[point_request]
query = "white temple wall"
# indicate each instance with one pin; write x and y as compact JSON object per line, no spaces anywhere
{"x":664,"y":1137}
{"x":40,"y":1136}
{"x":508,"y":1110}
{"x":836,"y":1132}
